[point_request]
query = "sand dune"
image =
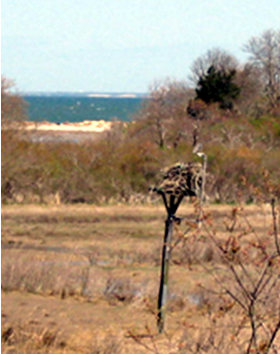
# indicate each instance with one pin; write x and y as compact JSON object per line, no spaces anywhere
{"x":85,"y":126}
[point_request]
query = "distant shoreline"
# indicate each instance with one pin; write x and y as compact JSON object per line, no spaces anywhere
{"x":87,"y":94}
{"x":43,"y":132}
{"x":85,"y":126}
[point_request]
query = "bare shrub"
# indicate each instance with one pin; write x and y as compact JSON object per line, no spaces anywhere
{"x":31,"y":339}
{"x":108,"y":345}
{"x":120,"y":289}
{"x":251,"y":283}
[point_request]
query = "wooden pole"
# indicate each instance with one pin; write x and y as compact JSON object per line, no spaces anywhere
{"x":166,"y":255}
{"x":163,"y":289}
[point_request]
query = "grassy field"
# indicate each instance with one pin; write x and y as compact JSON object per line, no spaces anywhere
{"x":84,"y":279}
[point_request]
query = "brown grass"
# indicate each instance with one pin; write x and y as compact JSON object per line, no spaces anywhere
{"x":84,"y":279}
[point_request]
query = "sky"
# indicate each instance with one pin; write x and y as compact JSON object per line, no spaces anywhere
{"x":121,"y":45}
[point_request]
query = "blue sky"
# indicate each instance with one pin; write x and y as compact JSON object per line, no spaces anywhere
{"x":121,"y":45}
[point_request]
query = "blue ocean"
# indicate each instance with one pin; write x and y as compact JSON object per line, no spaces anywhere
{"x":71,"y":108}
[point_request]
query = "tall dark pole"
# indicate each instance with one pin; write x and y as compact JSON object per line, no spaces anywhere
{"x":163,"y":289}
{"x":166,"y":255}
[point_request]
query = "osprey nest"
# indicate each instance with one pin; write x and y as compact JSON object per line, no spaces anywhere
{"x":181,"y":180}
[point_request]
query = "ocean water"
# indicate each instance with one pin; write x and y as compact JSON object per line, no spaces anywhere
{"x":59,"y":109}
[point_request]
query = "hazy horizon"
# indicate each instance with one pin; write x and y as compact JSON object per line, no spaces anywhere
{"x":112,"y":93}
{"x":122,"y":46}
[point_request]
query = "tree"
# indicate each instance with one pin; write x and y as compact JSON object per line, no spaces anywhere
{"x":162,"y":119}
{"x":249,"y":80}
{"x":218,"y":86}
{"x":265,"y":55}
{"x":13,"y":106}
{"x":13,"y":110}
{"x":216,"y":57}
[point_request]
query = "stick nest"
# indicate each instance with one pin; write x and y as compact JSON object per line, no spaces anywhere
{"x":181,"y":180}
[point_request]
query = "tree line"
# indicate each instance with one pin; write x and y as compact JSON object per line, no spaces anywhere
{"x":233,"y":109}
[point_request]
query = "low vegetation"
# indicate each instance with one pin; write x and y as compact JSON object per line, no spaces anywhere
{"x":97,"y":269}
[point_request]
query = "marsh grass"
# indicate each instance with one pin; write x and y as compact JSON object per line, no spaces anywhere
{"x":31,"y":339}
{"x":108,"y":258}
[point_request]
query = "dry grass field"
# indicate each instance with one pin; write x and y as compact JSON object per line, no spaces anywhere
{"x":84,"y":279}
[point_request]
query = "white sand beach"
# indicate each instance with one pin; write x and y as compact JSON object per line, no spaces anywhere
{"x":85,"y":126}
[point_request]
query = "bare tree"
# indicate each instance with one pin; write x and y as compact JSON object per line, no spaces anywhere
{"x":264,"y":53}
{"x":248,"y":78}
{"x":218,"y":58}
{"x":163,"y":117}
{"x":13,"y":112}
{"x":13,"y":106}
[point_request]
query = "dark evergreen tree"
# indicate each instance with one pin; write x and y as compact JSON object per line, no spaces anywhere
{"x":218,"y":86}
